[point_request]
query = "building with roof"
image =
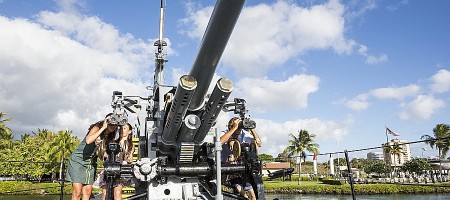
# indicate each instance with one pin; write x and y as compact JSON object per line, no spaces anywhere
{"x":375,"y":156}
{"x":274,"y":166}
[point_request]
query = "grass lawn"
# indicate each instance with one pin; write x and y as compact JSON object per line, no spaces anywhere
{"x":314,"y":187}
{"x":290,"y":183}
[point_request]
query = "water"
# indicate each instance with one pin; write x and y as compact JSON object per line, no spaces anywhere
{"x":33,"y":197}
{"x":359,"y":197}
{"x":279,"y":196}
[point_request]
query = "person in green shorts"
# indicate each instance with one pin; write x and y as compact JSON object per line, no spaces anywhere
{"x":83,"y":161}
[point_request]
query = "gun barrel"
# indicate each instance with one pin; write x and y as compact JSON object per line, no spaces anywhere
{"x":198,"y":169}
{"x":215,"y":103}
{"x":178,"y":109}
{"x":220,"y":27}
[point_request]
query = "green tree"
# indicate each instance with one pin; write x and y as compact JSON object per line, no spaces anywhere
{"x":360,"y":163}
{"x":62,"y":146}
{"x":6,"y":134}
{"x":378,"y":167}
{"x":441,"y":141}
{"x":265,"y":158}
{"x":28,"y":159}
{"x":298,"y":145}
{"x":416,"y":166}
{"x":45,"y":138}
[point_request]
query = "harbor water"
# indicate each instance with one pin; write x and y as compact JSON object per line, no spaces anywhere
{"x":277,"y":196}
{"x":358,"y":197}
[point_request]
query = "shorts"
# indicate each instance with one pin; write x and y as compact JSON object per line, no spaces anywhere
{"x":239,"y":181}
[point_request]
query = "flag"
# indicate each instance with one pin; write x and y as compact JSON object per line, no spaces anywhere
{"x":391,"y":132}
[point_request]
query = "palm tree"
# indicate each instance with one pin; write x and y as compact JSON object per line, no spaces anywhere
{"x":396,"y":149}
{"x":6,"y":135}
{"x":25,"y":137}
{"x":298,"y":145}
{"x":44,"y":135}
{"x":441,"y":140}
{"x":63,"y":145}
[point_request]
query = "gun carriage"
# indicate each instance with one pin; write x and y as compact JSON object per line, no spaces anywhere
{"x":179,"y":154}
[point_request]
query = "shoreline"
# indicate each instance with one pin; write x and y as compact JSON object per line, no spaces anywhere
{"x":270,"y":187}
{"x":361,"y":189}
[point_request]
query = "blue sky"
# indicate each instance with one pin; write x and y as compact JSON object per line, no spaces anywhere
{"x":340,"y":69}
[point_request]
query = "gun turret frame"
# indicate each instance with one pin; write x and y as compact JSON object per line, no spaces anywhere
{"x":176,"y":159}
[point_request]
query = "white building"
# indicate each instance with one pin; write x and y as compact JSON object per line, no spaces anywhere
{"x":400,"y":158}
{"x":375,"y":156}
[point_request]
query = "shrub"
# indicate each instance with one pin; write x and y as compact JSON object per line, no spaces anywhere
{"x":333,"y":182}
{"x":16,"y":187}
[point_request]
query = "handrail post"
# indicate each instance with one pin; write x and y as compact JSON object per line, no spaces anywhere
{"x":218,"y":148}
{"x":350,"y":174}
{"x":61,"y":179}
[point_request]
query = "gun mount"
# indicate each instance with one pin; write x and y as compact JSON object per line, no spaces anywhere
{"x":176,"y":158}
{"x":239,"y":107}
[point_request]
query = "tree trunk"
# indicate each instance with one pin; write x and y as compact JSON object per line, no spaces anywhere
{"x":300,"y":169}
{"x":440,"y":166}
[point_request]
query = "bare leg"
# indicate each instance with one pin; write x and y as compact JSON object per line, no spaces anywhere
{"x":103,"y":193}
{"x":118,"y":192}
{"x":252,"y":194}
{"x":240,"y":190}
{"x":76,"y":191}
{"x":87,"y":190}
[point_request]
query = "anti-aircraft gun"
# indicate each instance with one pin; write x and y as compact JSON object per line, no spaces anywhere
{"x":179,"y":156}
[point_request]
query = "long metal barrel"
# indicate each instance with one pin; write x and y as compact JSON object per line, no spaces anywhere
{"x":183,"y":95}
{"x":215,"y":103}
{"x":198,"y":169}
{"x":220,"y":27}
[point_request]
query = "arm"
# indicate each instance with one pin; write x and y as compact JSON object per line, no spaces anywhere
{"x":256,"y":136}
{"x":224,"y":138}
{"x":129,"y":155}
{"x":95,"y":132}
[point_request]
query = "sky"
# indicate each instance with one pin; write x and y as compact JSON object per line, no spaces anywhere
{"x":343,"y":70}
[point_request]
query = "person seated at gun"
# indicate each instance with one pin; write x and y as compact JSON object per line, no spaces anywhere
{"x":83,"y":161}
{"x":125,"y":157}
{"x":237,"y":182}
{"x":235,"y":131}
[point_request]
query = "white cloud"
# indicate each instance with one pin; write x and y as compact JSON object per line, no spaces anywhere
{"x":275,"y":135}
{"x":370,"y":59}
{"x":266,"y":95}
{"x":398,"y":5}
{"x":441,"y":81}
{"x":357,"y":9}
{"x":358,"y":103}
{"x":398,"y":93}
{"x":421,"y":108}
{"x":59,"y":72}
{"x":197,"y":20}
{"x":284,"y":31}
{"x":361,"y":102}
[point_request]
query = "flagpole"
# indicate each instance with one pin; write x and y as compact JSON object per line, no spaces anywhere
{"x":388,"y":154}
{"x":387,"y":137}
